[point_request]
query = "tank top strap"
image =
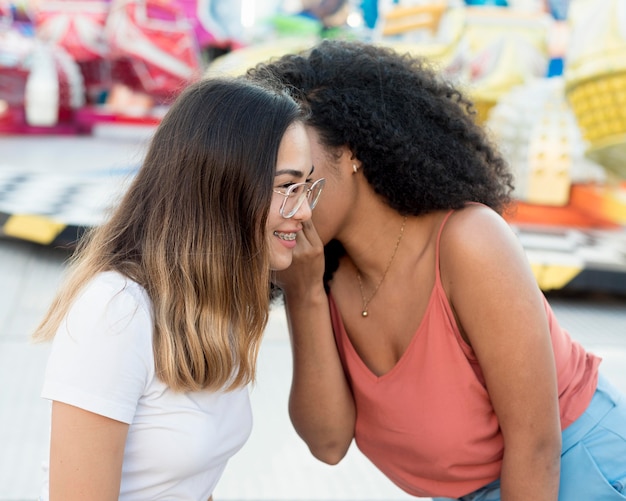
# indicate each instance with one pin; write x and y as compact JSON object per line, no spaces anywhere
{"x":441,"y":226}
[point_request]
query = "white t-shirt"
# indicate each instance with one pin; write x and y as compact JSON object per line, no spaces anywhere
{"x":178,"y":444}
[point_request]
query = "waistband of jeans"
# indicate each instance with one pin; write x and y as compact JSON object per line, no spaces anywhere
{"x":604,"y":399}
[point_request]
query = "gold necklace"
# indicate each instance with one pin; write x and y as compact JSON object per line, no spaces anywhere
{"x":364,"y":312}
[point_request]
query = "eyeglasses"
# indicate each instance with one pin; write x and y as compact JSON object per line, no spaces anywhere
{"x":297,"y":193}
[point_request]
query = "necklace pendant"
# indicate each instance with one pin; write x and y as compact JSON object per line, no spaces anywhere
{"x":364,"y":312}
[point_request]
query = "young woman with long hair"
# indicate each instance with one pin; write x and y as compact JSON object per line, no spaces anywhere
{"x":157,"y":328}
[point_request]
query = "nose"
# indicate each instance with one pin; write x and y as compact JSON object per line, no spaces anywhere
{"x":304,"y":212}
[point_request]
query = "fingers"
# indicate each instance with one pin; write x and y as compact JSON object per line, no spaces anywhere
{"x":307,"y":265}
{"x":309,"y":248}
{"x":309,"y":234}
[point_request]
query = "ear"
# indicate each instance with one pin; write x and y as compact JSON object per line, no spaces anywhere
{"x":348,"y":161}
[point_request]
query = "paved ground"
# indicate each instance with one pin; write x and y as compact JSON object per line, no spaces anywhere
{"x":274,"y":465}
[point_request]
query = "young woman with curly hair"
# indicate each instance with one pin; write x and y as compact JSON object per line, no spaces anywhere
{"x":157,"y":328}
{"x":417,"y":326}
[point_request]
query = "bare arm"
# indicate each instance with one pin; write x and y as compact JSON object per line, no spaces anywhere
{"x":320,"y":404}
{"x":86,"y":453}
{"x":500,"y":309}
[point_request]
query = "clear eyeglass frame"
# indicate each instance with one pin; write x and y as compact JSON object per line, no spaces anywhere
{"x":297,"y":193}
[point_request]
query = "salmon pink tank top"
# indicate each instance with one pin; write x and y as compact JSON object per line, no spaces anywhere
{"x":428,"y":423}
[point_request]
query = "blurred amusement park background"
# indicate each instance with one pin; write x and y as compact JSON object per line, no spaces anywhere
{"x":548,"y":79}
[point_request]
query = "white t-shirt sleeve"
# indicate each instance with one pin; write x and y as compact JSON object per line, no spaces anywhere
{"x":101,"y":358}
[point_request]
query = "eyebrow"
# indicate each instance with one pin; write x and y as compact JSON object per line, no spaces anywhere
{"x":293,"y":172}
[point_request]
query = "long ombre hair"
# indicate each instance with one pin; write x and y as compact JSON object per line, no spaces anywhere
{"x":191,"y":230}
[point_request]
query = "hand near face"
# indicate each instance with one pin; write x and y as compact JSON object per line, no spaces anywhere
{"x":307,"y":267}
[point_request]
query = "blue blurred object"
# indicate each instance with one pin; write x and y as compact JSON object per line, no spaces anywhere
{"x":497,"y":3}
{"x":17,"y":18}
{"x":370,"y":12}
{"x":559,"y":8}
{"x":555,"y":67}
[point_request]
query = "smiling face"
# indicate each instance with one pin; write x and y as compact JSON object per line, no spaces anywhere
{"x":294,"y":165}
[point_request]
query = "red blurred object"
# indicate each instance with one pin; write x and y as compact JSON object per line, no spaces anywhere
{"x":78,"y":26}
{"x":13,"y":121}
{"x":12,"y":84}
{"x":153,"y":47}
{"x":75,"y":25}
{"x":42,"y":92}
{"x":15,"y":49}
{"x":571,"y":216}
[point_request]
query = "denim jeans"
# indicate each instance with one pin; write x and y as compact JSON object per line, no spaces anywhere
{"x":593,"y":457}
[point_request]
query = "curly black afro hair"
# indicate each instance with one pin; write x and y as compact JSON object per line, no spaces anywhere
{"x":413,"y":133}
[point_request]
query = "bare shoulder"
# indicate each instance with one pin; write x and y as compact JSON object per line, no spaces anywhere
{"x":477,"y":243}
{"x":475,"y":227}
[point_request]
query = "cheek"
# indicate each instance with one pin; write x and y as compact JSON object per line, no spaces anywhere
{"x":327,"y":218}
{"x":273,"y":217}
{"x":325,"y":233}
